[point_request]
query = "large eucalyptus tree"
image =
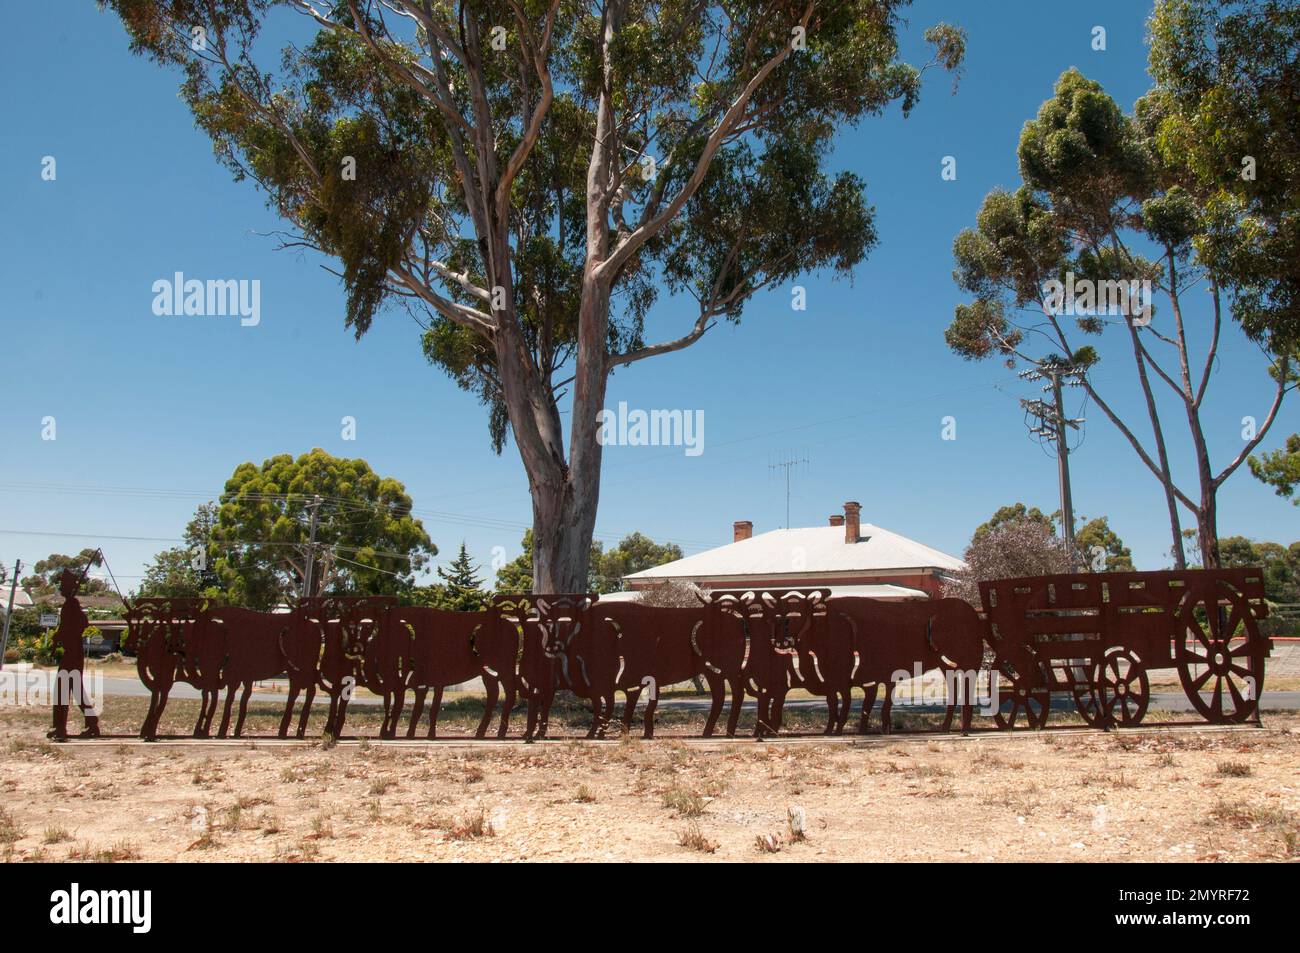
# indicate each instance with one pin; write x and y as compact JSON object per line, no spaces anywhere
{"x":528,"y":176}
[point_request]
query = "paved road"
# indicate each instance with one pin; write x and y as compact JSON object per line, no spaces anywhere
{"x":1165,"y":701}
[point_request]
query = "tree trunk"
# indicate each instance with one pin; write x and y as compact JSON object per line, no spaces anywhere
{"x":563,"y":523}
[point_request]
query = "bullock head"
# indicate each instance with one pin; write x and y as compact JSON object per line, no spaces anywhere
{"x":560,"y":619}
{"x":790,"y":615}
{"x":360,"y":619}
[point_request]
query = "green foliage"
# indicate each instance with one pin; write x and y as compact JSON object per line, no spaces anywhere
{"x":767,"y":210}
{"x":186,"y":571}
{"x":367,"y":542}
{"x":1225,"y":98}
{"x":1281,"y":565}
{"x":1097,"y":534}
{"x":517,"y":575}
{"x":44,"y":580}
{"x":1280,"y":468}
{"x":462,"y":587}
{"x":635,"y":552}
{"x":1016,"y":513}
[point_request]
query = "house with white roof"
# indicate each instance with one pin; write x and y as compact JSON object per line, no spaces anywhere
{"x":848,"y":556}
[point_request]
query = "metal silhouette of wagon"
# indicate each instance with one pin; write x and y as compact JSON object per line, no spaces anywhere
{"x":1097,"y":636}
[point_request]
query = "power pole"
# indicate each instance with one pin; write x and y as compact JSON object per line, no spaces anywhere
{"x":1052,"y":425}
{"x":314,"y":507}
{"x":787,"y":465}
{"x":9,"y":613}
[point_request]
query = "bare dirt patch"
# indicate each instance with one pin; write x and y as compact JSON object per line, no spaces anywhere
{"x":1060,"y":795}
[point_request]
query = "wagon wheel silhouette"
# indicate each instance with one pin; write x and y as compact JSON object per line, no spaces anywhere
{"x":1082,"y":676}
{"x":1028,"y":699}
{"x":1220,"y":653}
{"x":1123,"y":689}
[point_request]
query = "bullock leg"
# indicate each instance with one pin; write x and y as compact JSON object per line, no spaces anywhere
{"x":544,"y":721}
{"x":287,"y":717}
{"x":534,"y":709}
{"x":832,"y":711}
{"x":718,"y":690}
{"x":762,"y":711}
{"x":886,"y":720}
{"x":433,"y":711}
{"x":778,"y":711}
{"x":417,"y":710}
{"x":163,"y":693}
{"x":737,"y":702}
{"x":846,"y":703}
{"x":869,"y":693}
{"x":607,"y":714}
{"x":399,"y":702}
{"x":146,"y":728}
{"x":306,"y":708}
{"x":507,"y":706}
{"x":243,"y":707}
{"x":199,"y":731}
{"x":343,"y":715}
{"x":332,"y":717}
{"x":630,"y":698}
{"x":225,"y":711}
{"x":493,"y":689}
{"x":951,"y":689}
{"x":649,"y":721}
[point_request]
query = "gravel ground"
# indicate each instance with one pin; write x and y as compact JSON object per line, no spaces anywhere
{"x":1060,"y":795}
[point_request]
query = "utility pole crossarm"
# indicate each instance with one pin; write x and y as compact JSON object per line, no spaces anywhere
{"x":1053,"y":426}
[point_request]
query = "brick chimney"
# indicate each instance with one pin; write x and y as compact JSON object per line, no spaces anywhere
{"x":837,"y":520}
{"x":852,"y":521}
{"x":741,"y":529}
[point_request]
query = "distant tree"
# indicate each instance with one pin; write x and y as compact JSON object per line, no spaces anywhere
{"x":517,"y":575}
{"x":672,"y":594}
{"x":1280,"y":469}
{"x":44,"y":580}
{"x":1281,"y":565}
{"x":366,"y":539}
{"x":1015,"y":513}
{"x":462,"y":587}
{"x":1088,"y":534}
{"x":634,"y":553}
{"x":187,"y":570}
{"x":1095,"y":537}
{"x":1016,"y":548}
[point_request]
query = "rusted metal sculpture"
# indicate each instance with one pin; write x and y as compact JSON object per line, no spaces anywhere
{"x":895,"y":640}
{"x":158,"y":633}
{"x":1092,"y":636}
{"x":633,"y":648}
{"x":69,"y":680}
{"x":447,"y":648}
{"x":547,"y":623}
{"x":1097,"y":636}
{"x":749,"y":639}
{"x":351,"y":624}
{"x":245,"y":646}
{"x":721,"y":642}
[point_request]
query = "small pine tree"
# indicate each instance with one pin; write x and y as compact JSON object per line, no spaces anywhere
{"x":463,"y":585}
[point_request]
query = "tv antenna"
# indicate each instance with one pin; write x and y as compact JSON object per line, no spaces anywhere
{"x":787,"y":465}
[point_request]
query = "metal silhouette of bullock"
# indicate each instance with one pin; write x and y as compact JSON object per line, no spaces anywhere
{"x":1092,"y":637}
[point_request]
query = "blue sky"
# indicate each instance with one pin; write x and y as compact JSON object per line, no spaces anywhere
{"x":857,"y":384}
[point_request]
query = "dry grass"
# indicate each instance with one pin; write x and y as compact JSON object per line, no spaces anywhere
{"x":935,"y":798}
